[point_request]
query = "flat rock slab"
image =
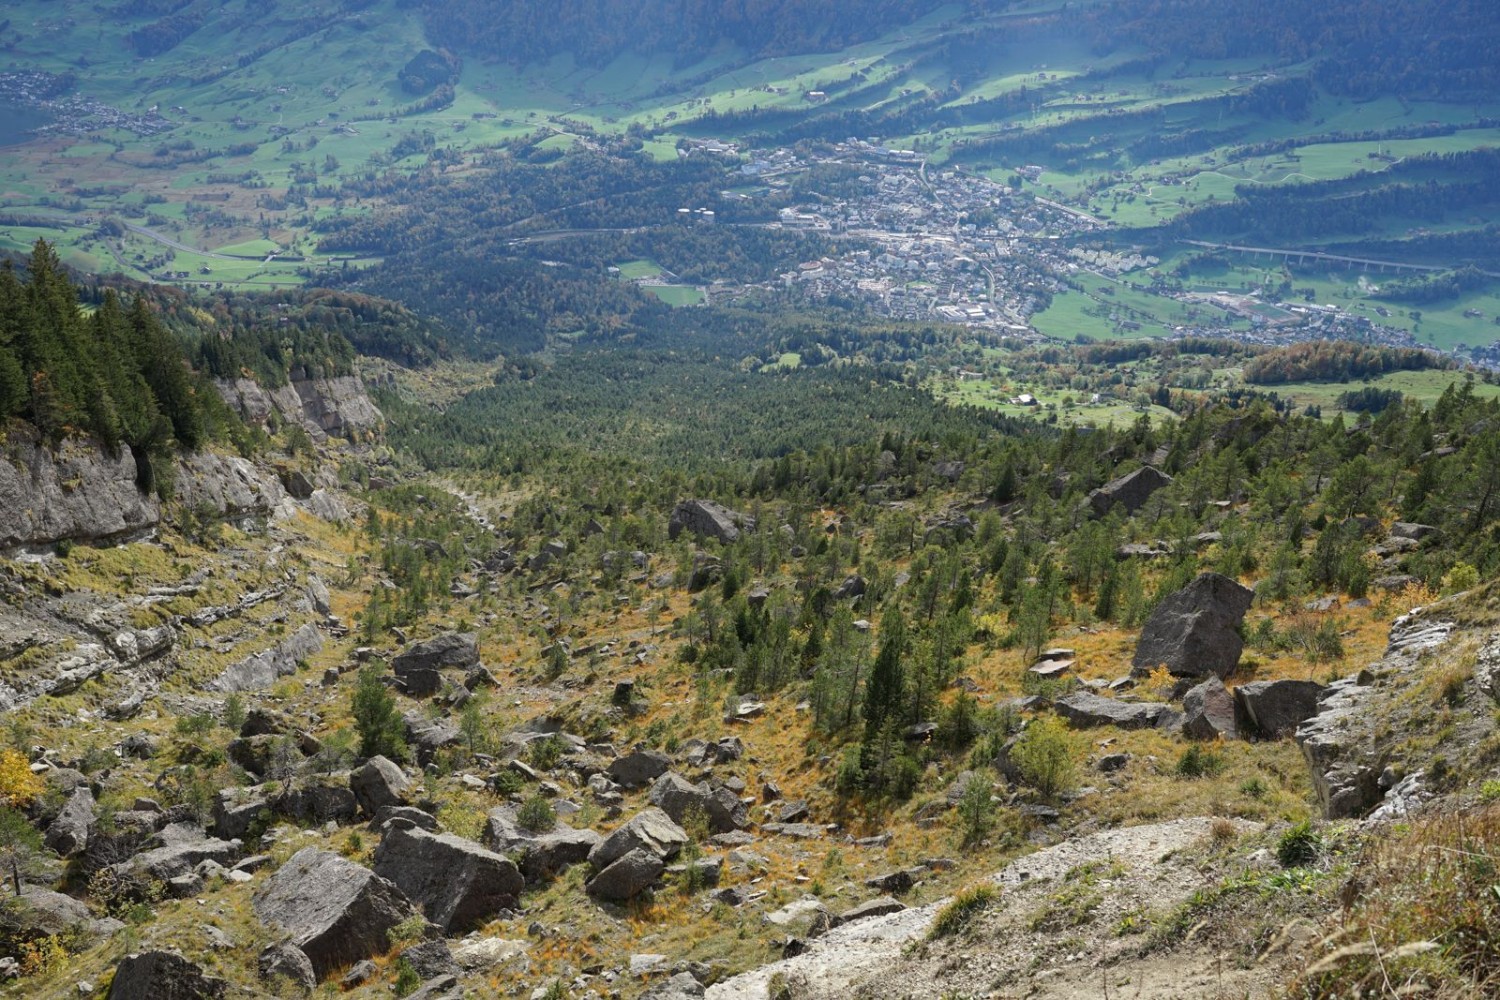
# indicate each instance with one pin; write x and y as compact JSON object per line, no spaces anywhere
{"x":1083,"y":709}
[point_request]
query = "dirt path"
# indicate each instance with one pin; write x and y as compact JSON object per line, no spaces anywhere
{"x":1054,"y":933}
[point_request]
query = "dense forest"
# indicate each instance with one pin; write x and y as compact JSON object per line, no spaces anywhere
{"x":595,"y":31}
{"x":1336,"y":361}
{"x":117,"y":373}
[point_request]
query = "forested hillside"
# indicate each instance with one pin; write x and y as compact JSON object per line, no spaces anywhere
{"x":116,"y":373}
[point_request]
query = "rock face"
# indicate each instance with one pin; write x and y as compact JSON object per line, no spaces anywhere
{"x":323,"y":406}
{"x":163,"y":975}
{"x":1274,"y":709}
{"x":1194,"y":631}
{"x":336,"y":911}
{"x":650,"y":829}
{"x":677,"y":797}
{"x":1129,"y":492}
{"x":1084,"y":708}
{"x":228,"y":485}
{"x":1208,"y":712}
{"x":707,"y":519}
{"x":258,"y":672}
{"x":1345,"y":769}
{"x":376,"y":783}
{"x":458,"y":883}
{"x":76,"y":491}
{"x":419,"y":667}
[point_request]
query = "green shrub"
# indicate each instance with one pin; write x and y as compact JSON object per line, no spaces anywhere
{"x":1299,"y":846}
{"x":962,"y":909}
{"x":1045,"y":756}
{"x":1196,"y":762}
{"x":536,"y":815}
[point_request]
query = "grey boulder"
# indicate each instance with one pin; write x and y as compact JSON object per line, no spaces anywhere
{"x":163,"y":975}
{"x":650,"y":830}
{"x":336,"y":911}
{"x":1194,"y":631}
{"x":1274,"y":709}
{"x":69,"y":833}
{"x":418,"y":667}
{"x":458,"y":882}
{"x":1084,"y":709}
{"x":376,"y":783}
{"x":639,"y":768}
{"x":1208,"y":712}
{"x":627,"y":876}
{"x":1130,"y":492}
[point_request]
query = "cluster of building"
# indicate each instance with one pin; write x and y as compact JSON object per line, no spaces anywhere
{"x":73,"y":114}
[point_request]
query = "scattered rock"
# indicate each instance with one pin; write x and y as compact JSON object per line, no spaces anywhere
{"x":676,"y":796}
{"x":627,"y":876}
{"x":650,"y":830}
{"x":639,"y":768}
{"x":378,"y":783}
{"x":419,"y":667}
{"x":877,"y":907}
{"x":287,"y":961}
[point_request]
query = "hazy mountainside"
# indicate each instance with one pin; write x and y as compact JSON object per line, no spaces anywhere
{"x":597,"y":31}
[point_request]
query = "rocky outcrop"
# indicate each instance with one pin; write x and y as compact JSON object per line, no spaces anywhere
{"x":258,"y":672}
{"x":322,"y":406}
{"x":1128,"y":493}
{"x":1273,"y":709}
{"x":75,"y":491}
{"x":707,"y":519}
{"x":336,"y":911}
{"x":175,"y":850}
{"x":459,"y":884}
{"x":163,"y":975}
{"x":227,"y":485}
{"x":1194,"y":632}
{"x":69,"y":833}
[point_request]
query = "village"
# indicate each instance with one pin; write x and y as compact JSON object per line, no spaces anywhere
{"x":962,"y":248}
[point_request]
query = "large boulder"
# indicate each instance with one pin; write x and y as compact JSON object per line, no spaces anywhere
{"x":1344,"y":764}
{"x":707,"y":519}
{"x":1084,"y":709}
{"x":1128,"y":493}
{"x":265,"y":668}
{"x":650,"y":830}
{"x":459,"y":884}
{"x":540,"y":856}
{"x":69,"y":833}
{"x":419,"y":667}
{"x":1274,"y":709}
{"x":336,"y":911}
{"x":42,"y":913}
{"x":1194,"y":631}
{"x":627,"y":876}
{"x":678,"y":797}
{"x":1208,"y":712}
{"x":376,"y":783}
{"x":163,"y":975}
{"x":639,"y":768}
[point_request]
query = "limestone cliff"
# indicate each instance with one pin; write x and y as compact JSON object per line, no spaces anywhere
{"x":335,"y":406}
